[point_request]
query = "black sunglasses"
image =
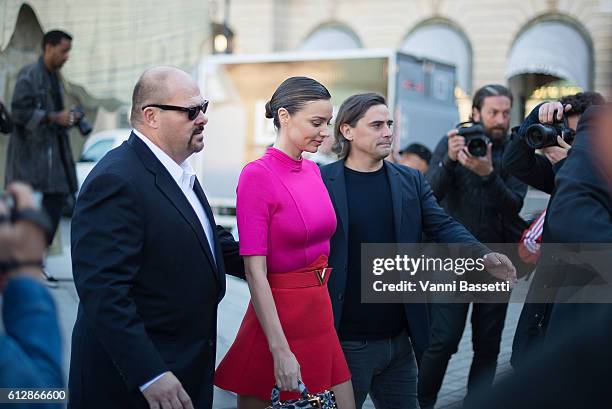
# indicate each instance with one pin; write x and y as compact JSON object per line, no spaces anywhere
{"x":192,"y":112}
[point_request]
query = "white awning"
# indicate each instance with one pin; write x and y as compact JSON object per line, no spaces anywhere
{"x":441,"y":42}
{"x":552,"y":48}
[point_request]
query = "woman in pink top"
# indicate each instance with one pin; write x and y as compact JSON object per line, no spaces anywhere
{"x":285,"y":222}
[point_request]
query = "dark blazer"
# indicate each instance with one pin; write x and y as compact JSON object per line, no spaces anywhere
{"x":580,"y":212}
{"x":415,"y":211}
{"x":147,"y":282}
{"x":31,"y":349}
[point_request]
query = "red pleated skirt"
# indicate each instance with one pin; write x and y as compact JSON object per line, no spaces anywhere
{"x":307,"y":320}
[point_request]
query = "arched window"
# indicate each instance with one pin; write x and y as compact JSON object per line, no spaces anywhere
{"x":334,"y":37}
{"x":441,"y":42}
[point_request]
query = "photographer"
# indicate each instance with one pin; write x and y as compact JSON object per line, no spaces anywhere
{"x":536,"y":170}
{"x":467,"y":177}
{"x":572,"y":370}
{"x":539,"y":172}
{"x":30,"y":348}
{"x":39,"y":149}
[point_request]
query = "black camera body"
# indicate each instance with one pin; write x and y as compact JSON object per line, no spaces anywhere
{"x":540,"y":136}
{"x":85,"y":127}
{"x":11,"y":214}
{"x":475,"y":138}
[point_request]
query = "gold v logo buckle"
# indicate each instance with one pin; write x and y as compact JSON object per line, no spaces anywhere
{"x":321,"y":275}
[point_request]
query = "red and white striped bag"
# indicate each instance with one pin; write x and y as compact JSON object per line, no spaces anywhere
{"x":530,"y":242}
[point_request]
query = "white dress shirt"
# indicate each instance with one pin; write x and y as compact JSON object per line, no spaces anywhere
{"x":184,"y":176}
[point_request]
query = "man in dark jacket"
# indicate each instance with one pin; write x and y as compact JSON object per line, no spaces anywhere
{"x":380,"y":341}
{"x":484,"y":197}
{"x":574,"y":367}
{"x":581,"y":212}
{"x":148,"y":261}
{"x":39,"y":149}
{"x":539,"y":172}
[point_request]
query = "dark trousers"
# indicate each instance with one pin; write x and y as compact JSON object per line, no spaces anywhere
{"x":385,"y":369}
{"x":447,"y":325}
{"x":53,"y":203}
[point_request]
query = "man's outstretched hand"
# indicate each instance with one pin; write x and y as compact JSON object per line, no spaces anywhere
{"x":500,"y":267}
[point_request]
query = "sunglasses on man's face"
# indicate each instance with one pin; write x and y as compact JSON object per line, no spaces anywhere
{"x":192,"y":112}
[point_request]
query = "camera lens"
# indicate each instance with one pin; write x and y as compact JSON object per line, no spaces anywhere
{"x":540,"y":136}
{"x":536,"y":137}
{"x":477,"y":147}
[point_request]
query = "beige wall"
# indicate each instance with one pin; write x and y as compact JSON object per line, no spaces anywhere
{"x":490,"y":25}
{"x":115,"y":40}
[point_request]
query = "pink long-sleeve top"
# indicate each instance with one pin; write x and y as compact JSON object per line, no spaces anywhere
{"x":283,"y":212}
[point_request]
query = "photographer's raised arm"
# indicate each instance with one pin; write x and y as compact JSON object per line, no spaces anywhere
{"x":522,"y":162}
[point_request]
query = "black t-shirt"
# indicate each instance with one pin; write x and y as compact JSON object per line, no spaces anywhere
{"x":370,"y":211}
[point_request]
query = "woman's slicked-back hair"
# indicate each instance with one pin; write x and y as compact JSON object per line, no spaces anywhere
{"x":350,"y":112}
{"x":293,"y":94}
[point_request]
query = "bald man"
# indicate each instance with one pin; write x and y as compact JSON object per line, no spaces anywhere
{"x":148,"y":261}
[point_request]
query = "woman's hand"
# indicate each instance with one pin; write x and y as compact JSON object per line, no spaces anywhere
{"x":286,"y":370}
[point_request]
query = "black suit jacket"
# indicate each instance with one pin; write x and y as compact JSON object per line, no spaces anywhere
{"x":415,"y":211}
{"x":147,"y":282}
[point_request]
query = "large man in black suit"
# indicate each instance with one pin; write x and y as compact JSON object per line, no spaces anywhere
{"x":380,"y":202}
{"x":148,"y":262}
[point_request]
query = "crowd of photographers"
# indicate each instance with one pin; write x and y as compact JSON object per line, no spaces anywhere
{"x":479,"y":172}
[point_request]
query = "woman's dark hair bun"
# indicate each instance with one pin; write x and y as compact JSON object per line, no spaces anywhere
{"x":293,"y":94}
{"x":269,"y":113}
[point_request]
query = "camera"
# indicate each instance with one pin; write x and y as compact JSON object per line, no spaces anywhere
{"x":475,"y":138}
{"x":9,"y":213}
{"x":540,"y":136}
{"x":85,"y":127}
